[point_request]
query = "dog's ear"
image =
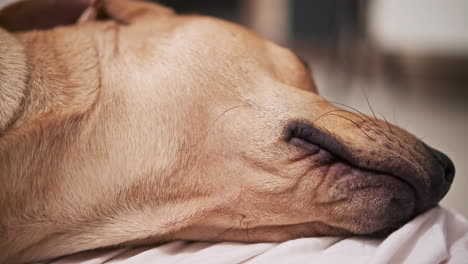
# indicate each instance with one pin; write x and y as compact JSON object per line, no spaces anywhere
{"x":124,"y":11}
{"x":41,"y":14}
{"x":13,"y":77}
{"x":45,"y":14}
{"x":129,"y":11}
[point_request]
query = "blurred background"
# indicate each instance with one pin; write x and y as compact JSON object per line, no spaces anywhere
{"x":410,"y":57}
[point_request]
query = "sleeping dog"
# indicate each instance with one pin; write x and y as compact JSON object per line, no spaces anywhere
{"x":137,"y":125}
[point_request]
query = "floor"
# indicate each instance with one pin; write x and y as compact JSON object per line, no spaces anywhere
{"x":433,"y":108}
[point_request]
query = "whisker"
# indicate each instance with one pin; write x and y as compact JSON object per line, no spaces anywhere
{"x":358,"y":116}
{"x":340,"y":110}
{"x":388,"y":125}
{"x":391,"y":131}
{"x":356,"y":124}
{"x":368,"y":103}
{"x":346,"y":111}
{"x":363,"y":120}
{"x":320,"y":116}
{"x":217,"y":118}
{"x":350,"y":107}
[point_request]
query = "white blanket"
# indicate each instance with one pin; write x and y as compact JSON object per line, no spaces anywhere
{"x":438,"y":236}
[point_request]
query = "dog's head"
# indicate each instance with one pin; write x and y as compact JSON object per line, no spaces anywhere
{"x":207,"y":126}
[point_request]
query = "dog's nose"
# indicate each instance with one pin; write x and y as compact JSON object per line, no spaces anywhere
{"x":445,"y":162}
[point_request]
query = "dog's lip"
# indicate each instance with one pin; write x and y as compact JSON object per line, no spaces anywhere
{"x":322,"y":140}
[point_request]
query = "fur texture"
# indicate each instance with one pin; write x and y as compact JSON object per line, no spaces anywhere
{"x":145,"y":126}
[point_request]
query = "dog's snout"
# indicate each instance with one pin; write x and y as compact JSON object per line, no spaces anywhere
{"x":445,"y":162}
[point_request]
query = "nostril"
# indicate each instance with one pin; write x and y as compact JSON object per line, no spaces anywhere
{"x":445,"y":162}
{"x":450,"y":172}
{"x":449,"y":168}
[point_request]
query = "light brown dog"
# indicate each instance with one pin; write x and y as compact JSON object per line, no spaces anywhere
{"x":145,"y":126}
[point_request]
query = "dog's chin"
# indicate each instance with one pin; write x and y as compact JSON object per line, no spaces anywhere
{"x":369,"y":203}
